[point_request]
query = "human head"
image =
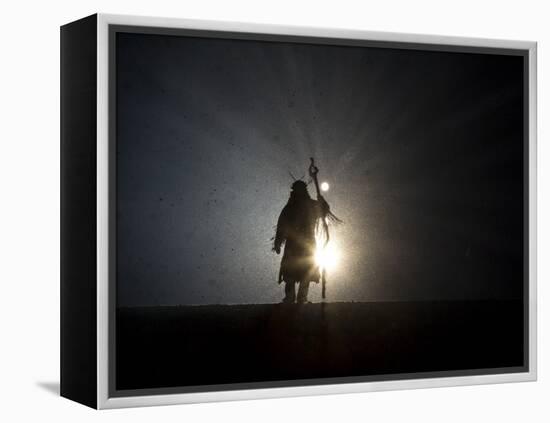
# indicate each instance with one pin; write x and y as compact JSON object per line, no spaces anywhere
{"x":299,"y":190}
{"x":299,"y":187}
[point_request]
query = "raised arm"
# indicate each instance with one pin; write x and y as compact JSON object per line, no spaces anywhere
{"x":313,"y":171}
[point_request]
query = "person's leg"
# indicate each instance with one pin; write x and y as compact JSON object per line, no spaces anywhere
{"x":302,"y":292}
{"x":290,"y":292}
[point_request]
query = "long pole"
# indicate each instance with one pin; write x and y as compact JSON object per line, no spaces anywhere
{"x":313,"y":171}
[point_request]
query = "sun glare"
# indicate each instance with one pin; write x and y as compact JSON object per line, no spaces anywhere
{"x":325,"y":186}
{"x":327,"y":257}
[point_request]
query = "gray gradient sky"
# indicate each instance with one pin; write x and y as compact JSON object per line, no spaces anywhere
{"x":423,"y":152}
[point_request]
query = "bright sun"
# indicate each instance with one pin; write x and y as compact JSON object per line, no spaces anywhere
{"x":327,"y":257}
{"x":325,"y":186}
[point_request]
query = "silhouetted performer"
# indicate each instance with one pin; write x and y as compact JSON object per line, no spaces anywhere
{"x":296,"y":229}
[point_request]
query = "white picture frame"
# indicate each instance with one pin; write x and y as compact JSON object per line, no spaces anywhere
{"x":103,"y":399}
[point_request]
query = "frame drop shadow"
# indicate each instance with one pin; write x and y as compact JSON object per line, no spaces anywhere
{"x":51,"y":387}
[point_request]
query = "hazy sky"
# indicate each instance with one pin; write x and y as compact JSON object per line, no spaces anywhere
{"x":423,"y":152}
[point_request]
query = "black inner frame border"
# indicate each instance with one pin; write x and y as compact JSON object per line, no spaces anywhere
{"x":114,"y":29}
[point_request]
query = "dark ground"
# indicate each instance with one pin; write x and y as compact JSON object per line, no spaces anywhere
{"x":219,"y":344}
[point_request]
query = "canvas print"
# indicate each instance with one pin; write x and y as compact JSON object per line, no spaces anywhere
{"x":293,"y":212}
